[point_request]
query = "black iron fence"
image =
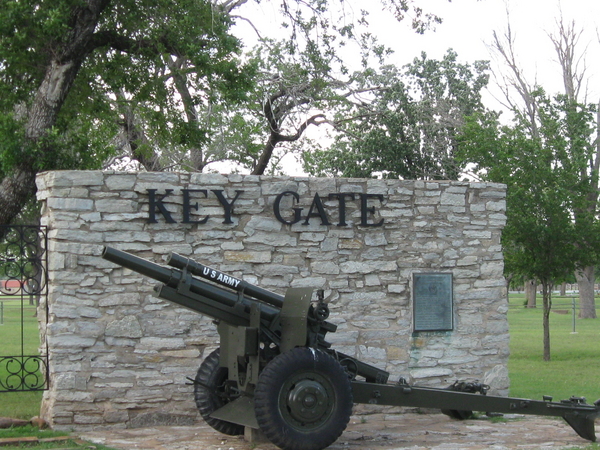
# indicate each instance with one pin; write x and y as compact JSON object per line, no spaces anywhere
{"x":561,"y":304}
{"x":23,"y":303}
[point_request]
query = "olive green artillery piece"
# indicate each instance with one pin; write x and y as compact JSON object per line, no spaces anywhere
{"x":274,"y":370}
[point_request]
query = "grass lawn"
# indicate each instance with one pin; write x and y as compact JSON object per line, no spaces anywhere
{"x":575,"y":358}
{"x":44,"y":439}
{"x":10,"y":327}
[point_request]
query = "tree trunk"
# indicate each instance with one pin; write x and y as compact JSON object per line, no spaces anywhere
{"x":547,"y":300}
{"x":266,"y":154}
{"x":587,"y":302}
{"x":15,"y":191}
{"x":19,"y":186}
{"x":530,"y":293}
{"x":563,"y":290}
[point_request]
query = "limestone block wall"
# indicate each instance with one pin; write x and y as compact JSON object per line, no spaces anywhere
{"x":120,"y":357}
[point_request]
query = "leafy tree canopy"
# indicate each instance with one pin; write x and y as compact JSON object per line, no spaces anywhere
{"x":81,"y":80}
{"x":408,"y":127}
{"x":125,"y":52}
{"x":69,"y":67}
{"x":549,"y":180}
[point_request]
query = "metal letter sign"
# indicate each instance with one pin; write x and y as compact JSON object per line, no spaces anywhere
{"x":432,"y":300}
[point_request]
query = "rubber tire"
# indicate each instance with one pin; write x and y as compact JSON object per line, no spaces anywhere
{"x":301,"y":372}
{"x":208,"y":400}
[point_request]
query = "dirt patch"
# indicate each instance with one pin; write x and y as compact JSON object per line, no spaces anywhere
{"x":372,"y":432}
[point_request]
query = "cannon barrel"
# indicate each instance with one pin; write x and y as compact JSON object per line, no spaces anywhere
{"x":233,"y":308}
{"x":216,"y":276}
{"x":272,"y":349}
{"x":216,"y":302}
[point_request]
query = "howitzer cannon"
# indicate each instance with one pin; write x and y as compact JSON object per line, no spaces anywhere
{"x":274,"y":370}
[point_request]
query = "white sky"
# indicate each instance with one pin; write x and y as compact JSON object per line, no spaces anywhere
{"x":467,"y":28}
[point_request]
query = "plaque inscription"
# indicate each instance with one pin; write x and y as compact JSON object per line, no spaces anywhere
{"x":432,"y":300}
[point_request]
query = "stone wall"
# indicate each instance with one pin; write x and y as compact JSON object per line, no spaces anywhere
{"x":120,"y":357}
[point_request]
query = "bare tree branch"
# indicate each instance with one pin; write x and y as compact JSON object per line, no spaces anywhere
{"x":135,"y":138}
{"x":505,"y":47}
{"x":565,"y":44}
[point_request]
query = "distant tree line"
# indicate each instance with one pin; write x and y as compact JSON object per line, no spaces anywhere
{"x":166,"y":85}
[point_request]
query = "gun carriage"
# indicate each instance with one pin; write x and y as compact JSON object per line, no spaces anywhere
{"x":275,"y":371}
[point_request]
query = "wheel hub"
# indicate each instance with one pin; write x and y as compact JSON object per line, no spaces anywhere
{"x":308,"y":401}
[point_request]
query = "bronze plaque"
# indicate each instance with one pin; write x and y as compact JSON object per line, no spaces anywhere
{"x":432,"y":301}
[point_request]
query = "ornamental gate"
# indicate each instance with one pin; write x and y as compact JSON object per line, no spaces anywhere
{"x":23,"y":305}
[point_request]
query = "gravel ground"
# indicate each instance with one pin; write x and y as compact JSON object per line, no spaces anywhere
{"x":371,"y":432}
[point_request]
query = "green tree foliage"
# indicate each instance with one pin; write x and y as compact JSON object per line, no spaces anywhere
{"x":68,"y":69}
{"x":409,"y":126}
{"x":300,"y":81}
{"x":549,"y":181}
{"x":576,"y":128}
{"x":82,"y":80}
{"x":292,"y":92}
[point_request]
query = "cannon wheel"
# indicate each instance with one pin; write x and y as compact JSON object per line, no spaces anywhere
{"x":303,"y":400}
{"x":211,"y":393}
